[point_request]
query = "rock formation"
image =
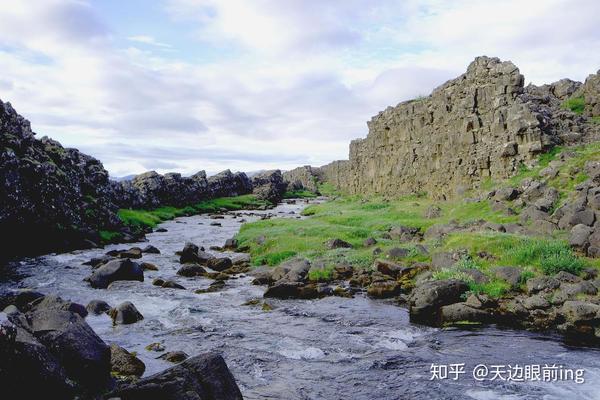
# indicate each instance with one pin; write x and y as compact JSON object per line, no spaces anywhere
{"x":482,"y":125}
{"x":269,"y":185}
{"x":52,"y":197}
{"x":305,"y":177}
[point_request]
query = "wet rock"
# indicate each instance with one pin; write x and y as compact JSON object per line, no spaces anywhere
{"x":202,"y":377}
{"x":116,"y":270}
{"x":174,"y":356}
{"x":158,"y":281}
{"x":97,"y":307}
{"x":219,"y":264}
{"x":125,"y":313}
{"x":134,"y":252}
{"x":98,"y":261}
{"x":342,"y":271}
{"x":337,"y":244}
{"x":124,"y":363}
{"x":12,"y":309}
{"x":383,"y":289}
{"x":541,"y":283}
{"x":158,"y":347}
{"x":284,"y":290}
{"x":511,"y":275}
{"x":69,"y":338}
{"x":231,"y":244}
{"x":462,"y":312}
{"x":21,"y":298}
{"x":480,"y":301}
{"x":215,"y":224}
{"x":189,"y":254}
{"x":146,"y":266}
{"x":150,"y":250}
{"x":56,"y":303}
{"x":190,"y":270}
{"x":425,"y":300}
{"x":161,"y":230}
{"x":171,"y":285}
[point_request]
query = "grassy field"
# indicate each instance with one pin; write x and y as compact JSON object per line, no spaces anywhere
{"x":354,"y":219}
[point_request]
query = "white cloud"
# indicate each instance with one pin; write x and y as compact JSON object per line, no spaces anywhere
{"x":300,"y":78}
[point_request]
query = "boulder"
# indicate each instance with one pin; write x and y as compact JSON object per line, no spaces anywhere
{"x":125,"y":313}
{"x":397,"y":252}
{"x":97,"y":307}
{"x":116,"y":270}
{"x":56,"y":303}
{"x":189,"y":254}
{"x":511,"y":275}
{"x":219,"y":264}
{"x":190,"y":270}
{"x":146,"y":266}
{"x":202,"y":377}
{"x":426,"y":300}
{"x":383,"y":289}
{"x":134,"y":252}
{"x":75,"y":345}
{"x":579,"y":237}
{"x":541,"y":283}
{"x":337,"y":244}
{"x":124,"y":363}
{"x":462,"y":312}
{"x":169,"y":284}
{"x":150,"y":250}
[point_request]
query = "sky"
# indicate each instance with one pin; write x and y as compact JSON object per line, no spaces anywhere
{"x":188,"y":85}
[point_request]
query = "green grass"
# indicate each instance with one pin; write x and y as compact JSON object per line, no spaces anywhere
{"x":110,"y":236}
{"x":575,"y":104}
{"x":140,"y":219}
{"x":595,"y":119}
{"x":299,"y":194}
{"x":320,"y":274}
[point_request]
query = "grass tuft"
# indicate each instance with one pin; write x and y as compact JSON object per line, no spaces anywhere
{"x":575,"y":104}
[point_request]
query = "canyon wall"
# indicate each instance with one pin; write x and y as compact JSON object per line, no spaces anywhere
{"x":480,"y":126}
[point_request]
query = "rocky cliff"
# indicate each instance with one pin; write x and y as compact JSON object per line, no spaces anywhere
{"x":52,"y":197}
{"x":480,"y":126}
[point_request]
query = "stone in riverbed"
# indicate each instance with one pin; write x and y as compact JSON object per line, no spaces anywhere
{"x":189,"y":270}
{"x":219,"y":264}
{"x":158,"y":347}
{"x":169,"y":284}
{"x":125,"y":313}
{"x":146,"y":266}
{"x":383,"y":289}
{"x":134,"y":252}
{"x":231,"y":244}
{"x":124,"y":363}
{"x":174,"y":356}
{"x":426,"y":300}
{"x":462,"y":312}
{"x":97,"y":307}
{"x":202,"y":377}
{"x":116,"y":270}
{"x":150,"y":250}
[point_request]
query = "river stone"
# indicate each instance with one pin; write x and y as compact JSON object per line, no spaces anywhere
{"x":383,"y":289}
{"x":98,"y":261}
{"x":426,"y":300}
{"x":116,"y":270}
{"x":21,"y":298}
{"x":97,"y":307}
{"x":174,"y":356}
{"x":388,"y":268}
{"x":189,"y":270}
{"x":169,"y":284}
{"x":219,"y":264}
{"x":125,"y":313}
{"x":134,"y":252}
{"x":124,"y":363}
{"x":580,"y":311}
{"x":202,"y":377}
{"x":461,"y":312}
{"x":189,"y":254}
{"x":56,"y":303}
{"x":150,"y":250}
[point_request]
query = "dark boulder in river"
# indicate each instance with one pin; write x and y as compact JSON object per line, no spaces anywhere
{"x":204,"y":377}
{"x":116,"y":270}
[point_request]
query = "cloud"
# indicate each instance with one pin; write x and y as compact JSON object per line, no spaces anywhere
{"x":145,"y":39}
{"x":264,"y":84}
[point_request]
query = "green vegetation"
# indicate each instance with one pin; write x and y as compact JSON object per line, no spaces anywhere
{"x":595,"y":119}
{"x":575,"y":104}
{"x":299,"y":194}
{"x":140,"y":219}
{"x":109,"y":236}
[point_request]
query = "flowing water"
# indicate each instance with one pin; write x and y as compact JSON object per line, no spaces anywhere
{"x":333,"y":348}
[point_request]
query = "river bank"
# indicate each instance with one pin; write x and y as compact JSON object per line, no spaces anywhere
{"x":334,"y":347}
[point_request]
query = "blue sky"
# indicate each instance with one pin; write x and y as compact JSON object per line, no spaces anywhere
{"x":184,"y":85}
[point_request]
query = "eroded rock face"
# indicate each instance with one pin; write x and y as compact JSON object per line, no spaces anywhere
{"x":269,"y":185}
{"x":305,"y":177}
{"x":52,"y":197}
{"x":481,"y":125}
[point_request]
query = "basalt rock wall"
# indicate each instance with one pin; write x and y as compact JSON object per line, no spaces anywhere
{"x":482,"y":125}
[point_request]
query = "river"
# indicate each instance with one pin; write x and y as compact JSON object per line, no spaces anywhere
{"x":333,"y":348}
